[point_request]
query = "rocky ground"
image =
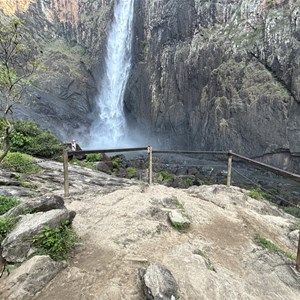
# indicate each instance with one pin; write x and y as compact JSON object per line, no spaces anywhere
{"x":123,"y":226}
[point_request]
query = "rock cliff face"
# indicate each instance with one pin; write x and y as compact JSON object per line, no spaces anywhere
{"x":71,"y":35}
{"x":219,"y":75}
{"x":206,"y":74}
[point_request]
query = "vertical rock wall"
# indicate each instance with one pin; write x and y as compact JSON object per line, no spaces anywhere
{"x":71,"y":35}
{"x":218,"y":75}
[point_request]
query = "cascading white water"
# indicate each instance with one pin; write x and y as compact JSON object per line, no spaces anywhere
{"x":109,"y":131}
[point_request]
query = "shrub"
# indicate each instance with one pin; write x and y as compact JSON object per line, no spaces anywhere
{"x":117,"y":163}
{"x":56,"y":242}
{"x":6,"y":225}
{"x":7,"y":202}
{"x":257,"y":194}
{"x":19,"y":162}
{"x":30,"y":139}
{"x":94,"y":157}
{"x":132,"y":172}
{"x":165,"y":177}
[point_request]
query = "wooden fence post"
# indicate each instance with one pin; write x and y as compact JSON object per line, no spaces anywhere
{"x":150,"y":173}
{"x":229,"y":171}
{"x":66,"y":172}
{"x":298,"y":256}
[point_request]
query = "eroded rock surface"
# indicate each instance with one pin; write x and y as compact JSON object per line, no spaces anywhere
{"x":30,"y":278}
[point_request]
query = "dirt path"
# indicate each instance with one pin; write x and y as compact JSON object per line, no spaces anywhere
{"x":128,"y":229}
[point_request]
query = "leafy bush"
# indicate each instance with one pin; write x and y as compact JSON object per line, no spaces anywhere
{"x":19,"y":162}
{"x":6,"y":225}
{"x":7,"y":202}
{"x":94,"y":157}
{"x":165,"y":177}
{"x":117,"y":162}
{"x":131,"y":172}
{"x":257,"y":194}
{"x":56,"y":242}
{"x":30,"y":139}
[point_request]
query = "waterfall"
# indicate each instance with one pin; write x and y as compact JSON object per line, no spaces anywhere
{"x":109,"y":130}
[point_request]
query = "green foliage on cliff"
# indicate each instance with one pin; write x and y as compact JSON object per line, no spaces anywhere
{"x":28,"y":138}
{"x":19,"y":162}
{"x":17,"y":65}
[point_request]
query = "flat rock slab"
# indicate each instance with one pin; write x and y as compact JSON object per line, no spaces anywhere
{"x":17,"y":245}
{"x":178,"y":219}
{"x":158,"y":283}
{"x":30,"y":278}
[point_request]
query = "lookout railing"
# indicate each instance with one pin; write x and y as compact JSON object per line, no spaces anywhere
{"x":230,"y":156}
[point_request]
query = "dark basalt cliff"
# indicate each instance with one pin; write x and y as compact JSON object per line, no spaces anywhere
{"x":219,"y":75}
{"x":207,"y":74}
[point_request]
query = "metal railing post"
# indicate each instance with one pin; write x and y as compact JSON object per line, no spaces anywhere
{"x":150,"y":171}
{"x":298,"y":256}
{"x":229,"y":171}
{"x":66,"y":172}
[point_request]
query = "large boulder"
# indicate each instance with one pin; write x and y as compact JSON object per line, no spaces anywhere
{"x":30,"y":278}
{"x":17,"y":246}
{"x":42,"y":204}
{"x":158,"y":283}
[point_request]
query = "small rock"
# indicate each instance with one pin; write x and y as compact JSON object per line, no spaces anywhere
{"x":178,"y":220}
{"x":158,"y":283}
{"x":102,"y":166}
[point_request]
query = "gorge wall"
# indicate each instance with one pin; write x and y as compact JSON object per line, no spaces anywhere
{"x":219,"y":75}
{"x":207,"y":74}
{"x":71,"y":35}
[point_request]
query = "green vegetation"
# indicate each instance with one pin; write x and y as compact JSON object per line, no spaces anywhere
{"x":81,"y":163}
{"x":117,"y":162}
{"x":257,"y":194}
{"x":56,"y":242}
{"x":94,"y":157}
{"x":30,"y":139}
{"x":6,"y":225}
{"x":292,"y":210}
{"x":144,"y":50}
{"x":180,"y":226}
{"x":185,"y":181}
{"x":17,"y":65}
{"x":131,"y":172}
{"x":7,"y":202}
{"x":165,"y":177}
{"x":266,"y":244}
{"x":18,"y":162}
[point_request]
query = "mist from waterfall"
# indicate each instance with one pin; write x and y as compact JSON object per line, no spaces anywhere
{"x":110,"y":129}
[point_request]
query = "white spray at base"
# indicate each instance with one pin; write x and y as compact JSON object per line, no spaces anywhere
{"x":110,"y":130}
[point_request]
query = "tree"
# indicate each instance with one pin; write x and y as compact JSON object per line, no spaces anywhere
{"x":17,"y":64}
